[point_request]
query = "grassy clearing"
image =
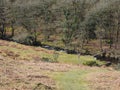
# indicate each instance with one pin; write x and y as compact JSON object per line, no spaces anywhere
{"x":74,"y":79}
{"x":73,"y":59}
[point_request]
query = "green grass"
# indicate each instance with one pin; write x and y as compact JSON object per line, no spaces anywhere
{"x":62,"y":58}
{"x":69,"y":58}
{"x":72,"y":80}
{"x":29,"y":52}
{"x":73,"y":59}
{"x":23,"y":53}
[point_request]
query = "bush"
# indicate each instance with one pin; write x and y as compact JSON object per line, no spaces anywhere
{"x":26,"y":39}
{"x":41,"y":86}
{"x":52,"y":60}
{"x":91,"y":63}
{"x":87,"y":52}
{"x":55,"y":56}
{"x":29,"y":40}
{"x":109,"y":41}
{"x":20,"y":37}
{"x":46,"y":59}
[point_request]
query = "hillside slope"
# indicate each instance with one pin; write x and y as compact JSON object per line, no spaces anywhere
{"x":22,"y":68}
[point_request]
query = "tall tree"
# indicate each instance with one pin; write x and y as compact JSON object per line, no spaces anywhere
{"x":6,"y":18}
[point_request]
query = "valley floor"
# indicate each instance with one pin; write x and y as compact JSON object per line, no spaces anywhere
{"x":21,"y":68}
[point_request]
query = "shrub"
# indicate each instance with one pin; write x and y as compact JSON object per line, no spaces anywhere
{"x":41,"y":86}
{"x":87,"y":52}
{"x":91,"y":63}
{"x":109,"y":41}
{"x":55,"y":56}
{"x":46,"y":59}
{"x":29,"y":40}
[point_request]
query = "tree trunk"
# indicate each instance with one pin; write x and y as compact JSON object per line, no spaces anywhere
{"x":13,"y":31}
{"x":2,"y":31}
{"x":110,"y":40}
{"x":101,"y":48}
{"x":35,"y":36}
{"x":117,"y":39}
